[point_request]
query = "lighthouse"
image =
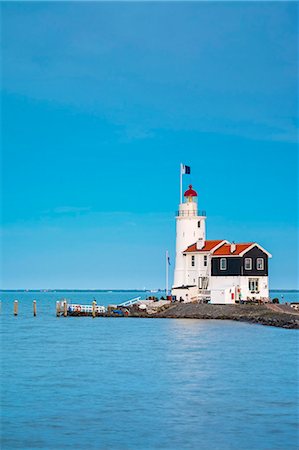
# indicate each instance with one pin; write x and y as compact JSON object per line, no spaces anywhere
{"x":216,"y":270}
{"x":190,"y":228}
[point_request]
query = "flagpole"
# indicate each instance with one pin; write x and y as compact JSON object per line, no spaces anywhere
{"x":181,"y":183}
{"x":167,"y":263}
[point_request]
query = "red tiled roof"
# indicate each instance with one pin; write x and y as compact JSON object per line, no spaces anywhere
{"x":209,"y":245}
{"x":224,"y":250}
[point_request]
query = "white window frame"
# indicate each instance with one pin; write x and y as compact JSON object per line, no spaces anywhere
{"x":258,"y":261}
{"x":253,"y":285}
{"x":223,"y":260}
{"x":192,"y":260}
{"x":205,"y":260}
{"x":248,"y":260}
{"x":203,"y":283}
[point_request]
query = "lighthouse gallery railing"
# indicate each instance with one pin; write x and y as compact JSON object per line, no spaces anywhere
{"x":191,"y":213}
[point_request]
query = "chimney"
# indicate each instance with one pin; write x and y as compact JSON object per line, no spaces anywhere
{"x":232,"y":247}
{"x":200,"y":244}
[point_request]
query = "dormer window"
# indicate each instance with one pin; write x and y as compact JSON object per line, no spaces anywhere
{"x":260,"y":263}
{"x":248,"y":264}
{"x":223,"y":264}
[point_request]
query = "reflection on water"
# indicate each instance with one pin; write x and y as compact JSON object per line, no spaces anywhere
{"x":143,"y":383}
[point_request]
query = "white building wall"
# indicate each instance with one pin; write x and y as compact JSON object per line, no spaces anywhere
{"x":187,"y":294}
{"x":224,"y":289}
{"x":263,"y":287}
{"x":227,"y":289}
{"x":199,"y":270}
{"x":204,"y":271}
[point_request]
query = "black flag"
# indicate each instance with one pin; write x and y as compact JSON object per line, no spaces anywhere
{"x":186,"y":170}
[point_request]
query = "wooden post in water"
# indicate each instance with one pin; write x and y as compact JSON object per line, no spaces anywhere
{"x":65,"y":308}
{"x":94,"y":309}
{"x":15,"y":307}
{"x":34,"y":308}
{"x":57,"y":309}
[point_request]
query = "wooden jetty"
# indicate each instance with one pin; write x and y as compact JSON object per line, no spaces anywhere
{"x":65,"y":308}
{"x":135,"y":307}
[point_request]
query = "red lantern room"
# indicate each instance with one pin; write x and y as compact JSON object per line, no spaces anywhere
{"x":190,"y":195}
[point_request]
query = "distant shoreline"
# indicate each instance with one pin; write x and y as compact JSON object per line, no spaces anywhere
{"x":81,"y":290}
{"x":112,"y":290}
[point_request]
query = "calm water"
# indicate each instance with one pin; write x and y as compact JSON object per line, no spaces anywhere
{"x":83,"y":383}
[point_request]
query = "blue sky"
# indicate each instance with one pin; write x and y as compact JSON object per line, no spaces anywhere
{"x":100,"y":104}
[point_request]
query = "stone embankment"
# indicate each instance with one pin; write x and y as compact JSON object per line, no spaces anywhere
{"x":268,"y":314}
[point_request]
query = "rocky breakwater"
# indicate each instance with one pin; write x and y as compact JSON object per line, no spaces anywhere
{"x":268,"y":314}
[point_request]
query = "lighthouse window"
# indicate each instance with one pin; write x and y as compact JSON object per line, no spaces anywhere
{"x":192,"y":260}
{"x":222,"y":263}
{"x":248,"y":263}
{"x":198,"y":224}
{"x":260,"y":264}
{"x":205,"y":260}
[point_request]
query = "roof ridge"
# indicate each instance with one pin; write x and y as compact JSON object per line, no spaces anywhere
{"x":240,"y":243}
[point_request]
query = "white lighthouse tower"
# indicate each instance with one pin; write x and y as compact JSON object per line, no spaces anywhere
{"x":190,"y":228}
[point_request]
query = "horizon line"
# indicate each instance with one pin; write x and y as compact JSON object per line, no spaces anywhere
{"x":117,"y":290}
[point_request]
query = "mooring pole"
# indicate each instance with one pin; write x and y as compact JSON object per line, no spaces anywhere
{"x":34,"y":308}
{"x":65,"y":308}
{"x":15,"y":307}
{"x":94,"y":309}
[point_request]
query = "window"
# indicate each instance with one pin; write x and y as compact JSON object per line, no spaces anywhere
{"x":248,"y":264}
{"x":205,"y":260}
{"x":192,"y":260}
{"x":222,"y":263}
{"x":260,"y":263}
{"x":253,"y":285}
{"x":198,"y":224}
{"x":203,"y":282}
